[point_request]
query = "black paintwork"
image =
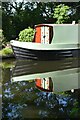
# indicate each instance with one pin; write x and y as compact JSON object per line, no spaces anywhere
{"x":22,"y":53}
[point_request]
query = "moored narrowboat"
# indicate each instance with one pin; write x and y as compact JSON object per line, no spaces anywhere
{"x":51,"y":41}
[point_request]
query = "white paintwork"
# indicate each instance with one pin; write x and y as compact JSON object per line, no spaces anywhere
{"x":39,"y":46}
{"x":42,"y":82}
{"x":45,"y":83}
{"x":45,"y":32}
{"x":46,"y":35}
{"x":73,"y":22}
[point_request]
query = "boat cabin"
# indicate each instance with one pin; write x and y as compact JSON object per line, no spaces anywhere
{"x":56,"y":33}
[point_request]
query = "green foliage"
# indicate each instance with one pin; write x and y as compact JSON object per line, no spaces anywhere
{"x":2,"y":38}
{"x":6,"y":51}
{"x":26,"y":35}
{"x":17,"y":16}
{"x":61,"y":13}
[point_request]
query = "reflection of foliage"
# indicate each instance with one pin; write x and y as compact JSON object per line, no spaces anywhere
{"x":75,"y":110}
{"x":7,"y":64}
{"x":23,"y":100}
{"x":23,"y":96}
{"x":16,"y":102}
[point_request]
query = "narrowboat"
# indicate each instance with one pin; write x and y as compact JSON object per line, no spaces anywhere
{"x":51,"y":41}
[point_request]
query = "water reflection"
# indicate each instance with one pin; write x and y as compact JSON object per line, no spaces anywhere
{"x":31,"y":67}
{"x":54,"y":76}
{"x":23,"y":99}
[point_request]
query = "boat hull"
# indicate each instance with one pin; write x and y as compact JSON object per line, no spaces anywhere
{"x":31,"y":54}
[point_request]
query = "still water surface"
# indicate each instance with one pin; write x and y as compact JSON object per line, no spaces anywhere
{"x":40,"y":89}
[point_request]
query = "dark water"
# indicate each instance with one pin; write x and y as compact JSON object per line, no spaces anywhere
{"x":40,"y":89}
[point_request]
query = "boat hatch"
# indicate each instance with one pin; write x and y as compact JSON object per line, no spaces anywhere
{"x":44,"y":34}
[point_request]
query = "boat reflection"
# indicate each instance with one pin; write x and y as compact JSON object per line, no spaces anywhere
{"x":44,"y":84}
{"x":30,"y":67}
{"x":52,"y":76}
{"x":59,"y":81}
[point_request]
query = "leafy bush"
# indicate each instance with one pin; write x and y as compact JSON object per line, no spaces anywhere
{"x":6,"y":51}
{"x":26,"y":35}
{"x":61,"y":13}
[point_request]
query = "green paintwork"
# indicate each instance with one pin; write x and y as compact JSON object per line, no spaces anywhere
{"x":65,"y":33}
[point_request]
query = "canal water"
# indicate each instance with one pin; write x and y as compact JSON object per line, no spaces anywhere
{"x":40,"y":89}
